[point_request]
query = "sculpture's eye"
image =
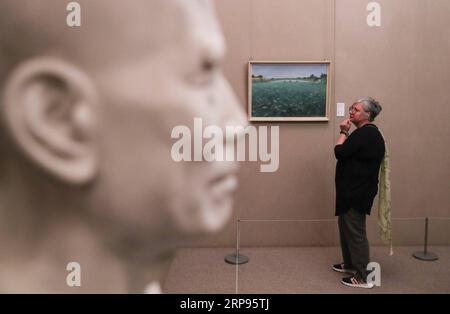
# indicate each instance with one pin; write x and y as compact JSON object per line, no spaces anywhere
{"x":206,"y":73}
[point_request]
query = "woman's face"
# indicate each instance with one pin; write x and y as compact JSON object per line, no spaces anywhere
{"x":357,"y":114}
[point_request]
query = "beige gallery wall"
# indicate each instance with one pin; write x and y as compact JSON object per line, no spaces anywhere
{"x":404,"y":63}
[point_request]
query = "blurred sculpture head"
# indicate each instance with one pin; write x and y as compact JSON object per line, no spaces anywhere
{"x":86,"y":118}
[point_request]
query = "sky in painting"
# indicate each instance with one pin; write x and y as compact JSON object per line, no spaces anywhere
{"x":288,"y":70}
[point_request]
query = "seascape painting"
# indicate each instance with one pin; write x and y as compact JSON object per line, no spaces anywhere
{"x":294,"y":91}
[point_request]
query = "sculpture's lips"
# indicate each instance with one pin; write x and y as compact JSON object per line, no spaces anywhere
{"x":223,"y":186}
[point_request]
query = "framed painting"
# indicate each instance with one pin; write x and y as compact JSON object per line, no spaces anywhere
{"x":289,"y":91}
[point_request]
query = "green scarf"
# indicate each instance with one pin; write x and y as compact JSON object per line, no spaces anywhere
{"x":384,"y":201}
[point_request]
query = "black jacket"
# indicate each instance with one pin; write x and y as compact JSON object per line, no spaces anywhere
{"x":358,"y":165}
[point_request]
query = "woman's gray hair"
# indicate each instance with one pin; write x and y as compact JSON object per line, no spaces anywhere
{"x":371,"y":106}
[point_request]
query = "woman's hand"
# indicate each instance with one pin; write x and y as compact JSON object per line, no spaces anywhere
{"x":345,"y":125}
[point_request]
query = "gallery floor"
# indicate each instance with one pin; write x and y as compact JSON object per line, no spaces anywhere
{"x":302,"y":270}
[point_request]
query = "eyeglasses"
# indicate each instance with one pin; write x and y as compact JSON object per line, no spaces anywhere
{"x":351,"y":109}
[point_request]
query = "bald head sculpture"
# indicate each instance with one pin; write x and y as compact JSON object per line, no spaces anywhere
{"x":86,"y":119}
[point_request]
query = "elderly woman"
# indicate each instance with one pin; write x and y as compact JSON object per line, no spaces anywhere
{"x":359,"y":156}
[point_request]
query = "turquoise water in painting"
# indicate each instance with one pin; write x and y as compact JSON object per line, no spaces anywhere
{"x":289,"y":98}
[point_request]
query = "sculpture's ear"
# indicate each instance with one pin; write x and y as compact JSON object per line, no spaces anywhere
{"x":49,"y":111}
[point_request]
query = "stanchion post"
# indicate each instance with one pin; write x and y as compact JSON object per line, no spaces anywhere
{"x":237,"y":259}
{"x":425,"y":255}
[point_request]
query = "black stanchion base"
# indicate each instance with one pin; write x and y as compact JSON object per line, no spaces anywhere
{"x":241,"y":259}
{"x":429,"y":256}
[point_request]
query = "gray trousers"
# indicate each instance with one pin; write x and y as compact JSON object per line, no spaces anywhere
{"x":354,"y":243}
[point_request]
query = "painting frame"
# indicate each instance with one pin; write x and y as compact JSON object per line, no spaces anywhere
{"x":299,"y":118}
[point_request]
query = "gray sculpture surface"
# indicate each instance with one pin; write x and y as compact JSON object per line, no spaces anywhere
{"x":86,"y":117}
